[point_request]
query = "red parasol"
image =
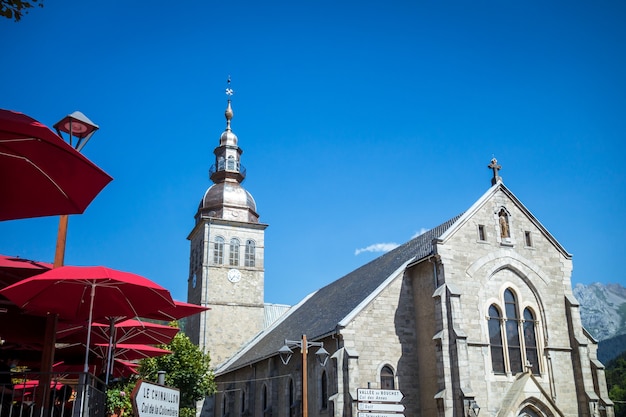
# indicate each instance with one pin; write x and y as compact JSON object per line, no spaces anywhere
{"x":95,"y":292}
{"x":133,"y":352}
{"x":40,"y":174}
{"x":127,"y":331}
{"x":176,"y":312}
{"x":13,"y":269}
{"x":121,"y":369}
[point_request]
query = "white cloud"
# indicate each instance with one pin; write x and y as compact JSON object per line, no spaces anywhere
{"x":377,"y":247}
{"x":386,"y":247}
{"x":420,"y":232}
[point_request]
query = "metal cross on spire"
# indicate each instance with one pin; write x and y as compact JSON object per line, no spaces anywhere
{"x":229,"y":91}
{"x":495,"y":167}
{"x":229,"y":111}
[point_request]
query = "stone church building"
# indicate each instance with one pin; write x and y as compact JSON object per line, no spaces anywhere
{"x":473,"y":317}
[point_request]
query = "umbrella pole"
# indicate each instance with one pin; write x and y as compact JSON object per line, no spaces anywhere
{"x":86,"y":367}
{"x":110,"y":350}
{"x":89,"y":322}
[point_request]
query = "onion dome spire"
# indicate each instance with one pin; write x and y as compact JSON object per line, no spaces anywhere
{"x":226,"y":198}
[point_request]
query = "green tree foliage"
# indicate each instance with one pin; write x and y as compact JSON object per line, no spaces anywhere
{"x":118,"y":397}
{"x":15,"y":9}
{"x":616,"y":383}
{"x":186,"y":369}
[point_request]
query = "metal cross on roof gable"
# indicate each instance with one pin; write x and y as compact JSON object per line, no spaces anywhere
{"x":495,"y":167}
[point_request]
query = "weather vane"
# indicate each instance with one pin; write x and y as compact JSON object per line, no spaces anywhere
{"x":229,"y":91}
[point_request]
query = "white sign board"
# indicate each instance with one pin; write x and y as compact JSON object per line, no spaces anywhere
{"x":379,"y":395}
{"x":152,"y":400}
{"x":380,"y":415}
{"x":381,"y":407}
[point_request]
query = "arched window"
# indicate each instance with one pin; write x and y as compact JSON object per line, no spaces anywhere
{"x":231,"y":163}
{"x":324,"y":391}
{"x":218,"y":250}
{"x":264,"y":398}
{"x":292,"y":399}
{"x":250,"y":253}
{"x":512,"y":332}
{"x":387,"y":380}
{"x":234,"y":252}
{"x":495,"y":340}
{"x":519,"y":344}
{"x":243,"y":401}
{"x":530,"y":340}
{"x":225,"y":405}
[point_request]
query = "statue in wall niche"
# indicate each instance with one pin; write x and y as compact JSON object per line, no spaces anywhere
{"x":504,"y":223}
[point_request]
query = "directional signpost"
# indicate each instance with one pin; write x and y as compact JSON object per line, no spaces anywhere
{"x":379,"y":403}
{"x":152,"y":400}
{"x":380,"y":415}
{"x":381,"y":407}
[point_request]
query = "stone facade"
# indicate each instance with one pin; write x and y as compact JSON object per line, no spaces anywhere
{"x":425,"y":311}
{"x":475,"y":315}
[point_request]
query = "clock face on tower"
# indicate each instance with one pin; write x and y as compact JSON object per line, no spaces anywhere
{"x":234,"y":275}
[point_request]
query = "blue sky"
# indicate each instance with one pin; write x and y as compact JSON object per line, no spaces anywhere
{"x":362,"y":124}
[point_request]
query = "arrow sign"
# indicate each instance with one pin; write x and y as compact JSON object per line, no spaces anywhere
{"x":379,"y":395}
{"x":152,"y":400}
{"x":380,"y":407}
{"x":380,"y":415}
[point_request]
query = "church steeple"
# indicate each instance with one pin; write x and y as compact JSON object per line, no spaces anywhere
{"x":226,"y":271}
{"x":226,"y":198}
{"x":228,"y":154}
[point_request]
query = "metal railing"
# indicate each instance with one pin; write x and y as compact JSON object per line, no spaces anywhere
{"x":69,"y":395}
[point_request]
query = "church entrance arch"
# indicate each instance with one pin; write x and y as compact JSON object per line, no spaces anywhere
{"x":530,"y":410}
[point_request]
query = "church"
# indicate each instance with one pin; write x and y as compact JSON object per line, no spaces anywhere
{"x":473,"y":317}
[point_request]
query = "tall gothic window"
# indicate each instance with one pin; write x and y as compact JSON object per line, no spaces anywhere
{"x":250,"y":253}
{"x":234,"y":252}
{"x":387,"y":380}
{"x":218,"y":250}
{"x":519,"y":346}
{"x":324,"y":391}
{"x":264,"y":398}
{"x":292,"y":399}
{"x":225,"y":405}
{"x":495,"y":340}
{"x":512,"y":332}
{"x":530,"y":340}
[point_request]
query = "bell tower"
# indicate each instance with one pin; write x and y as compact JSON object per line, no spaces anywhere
{"x":226,"y":270}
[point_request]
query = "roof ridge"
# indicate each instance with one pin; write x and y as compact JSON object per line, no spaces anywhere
{"x":319,"y":314}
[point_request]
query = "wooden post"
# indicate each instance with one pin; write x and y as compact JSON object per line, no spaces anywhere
{"x":47,"y":359}
{"x":47,"y":355}
{"x":305,"y":391}
{"x":59,"y":254}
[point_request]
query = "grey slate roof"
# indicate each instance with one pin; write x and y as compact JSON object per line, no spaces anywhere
{"x":319,"y":315}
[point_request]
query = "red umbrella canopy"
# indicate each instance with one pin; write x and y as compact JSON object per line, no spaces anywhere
{"x":73,"y":292}
{"x":40,"y":174}
{"x":140,"y":332}
{"x":72,"y":354}
{"x":13,"y":269}
{"x":133,"y":352}
{"x":127,"y":331}
{"x":121,"y":369}
{"x":176,"y":312}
